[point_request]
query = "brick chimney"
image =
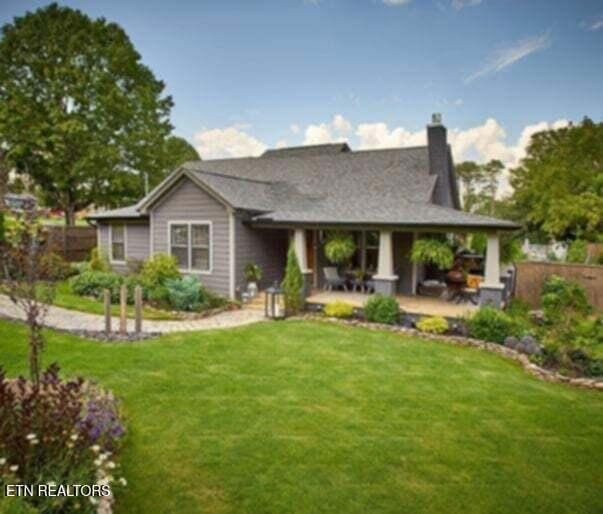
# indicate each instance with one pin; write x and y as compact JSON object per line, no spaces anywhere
{"x":439,"y":162}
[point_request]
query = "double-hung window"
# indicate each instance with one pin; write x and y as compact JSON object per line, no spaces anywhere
{"x":190,"y":243}
{"x":118,"y":243}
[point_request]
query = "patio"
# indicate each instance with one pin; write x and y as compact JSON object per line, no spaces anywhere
{"x":412,"y":304}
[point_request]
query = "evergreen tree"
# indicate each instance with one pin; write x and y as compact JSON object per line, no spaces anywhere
{"x":293,"y":284}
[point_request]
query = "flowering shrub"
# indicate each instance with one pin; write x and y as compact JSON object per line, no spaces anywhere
{"x":59,"y":432}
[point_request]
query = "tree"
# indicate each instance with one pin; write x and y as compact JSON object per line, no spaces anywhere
{"x":293,"y":284}
{"x":469,"y":175}
{"x":558,"y":186}
{"x":79,"y":112}
{"x":479,"y":183}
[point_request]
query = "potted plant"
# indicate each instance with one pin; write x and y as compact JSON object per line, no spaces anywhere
{"x":253,"y":274}
{"x":432,"y":251}
{"x":340,"y":247}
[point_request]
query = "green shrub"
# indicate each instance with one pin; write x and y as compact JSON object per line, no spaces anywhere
{"x":59,"y":268}
{"x":562,"y":300}
{"x":433,"y":325}
{"x":339,"y":247}
{"x":134,"y":265}
{"x":339,"y":309}
{"x":80,"y":267}
{"x":159,"y":268}
{"x":576,"y":348}
{"x":99,"y":260}
{"x":491,"y":324}
{"x":432,"y":251}
{"x":183,"y":293}
{"x":211,"y":300}
{"x":158,"y":294}
{"x":93,"y":283}
{"x":382,"y":309}
{"x":131,"y":281}
{"x":577,"y":252}
{"x":293,"y":284}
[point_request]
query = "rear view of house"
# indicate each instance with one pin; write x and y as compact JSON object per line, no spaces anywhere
{"x":216,"y":216}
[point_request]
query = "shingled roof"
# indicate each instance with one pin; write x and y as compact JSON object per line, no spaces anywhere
{"x":326,"y":184}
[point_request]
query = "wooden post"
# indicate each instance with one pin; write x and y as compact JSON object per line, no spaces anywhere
{"x":138,"y":308}
{"x":123,"y":320}
{"x":107,"y":299}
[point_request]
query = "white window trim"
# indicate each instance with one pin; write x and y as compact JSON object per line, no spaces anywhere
{"x":111,"y":259}
{"x":189,"y":223}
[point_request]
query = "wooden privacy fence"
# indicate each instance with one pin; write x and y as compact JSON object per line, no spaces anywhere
{"x":72,"y":243}
{"x":532,"y":275}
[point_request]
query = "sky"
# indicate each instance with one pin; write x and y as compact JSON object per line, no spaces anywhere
{"x":247,"y":75}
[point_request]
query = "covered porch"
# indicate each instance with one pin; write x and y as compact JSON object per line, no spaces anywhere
{"x":384,"y":254}
{"x":411,"y":304}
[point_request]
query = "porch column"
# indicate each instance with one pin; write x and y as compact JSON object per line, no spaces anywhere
{"x":385,"y":280}
{"x":491,"y":290}
{"x":299,"y":243}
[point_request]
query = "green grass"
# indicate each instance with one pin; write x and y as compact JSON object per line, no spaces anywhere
{"x":307,"y":417}
{"x":67,"y":299}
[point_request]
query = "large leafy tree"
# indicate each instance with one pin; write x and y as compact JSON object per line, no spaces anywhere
{"x":479,"y":183}
{"x":79,"y":112}
{"x":177,"y":151}
{"x":558,"y":187}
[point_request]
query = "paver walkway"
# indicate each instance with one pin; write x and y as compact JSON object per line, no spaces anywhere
{"x":66,"y":319}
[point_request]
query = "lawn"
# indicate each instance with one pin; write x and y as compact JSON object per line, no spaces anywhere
{"x":307,"y":417}
{"x":67,"y":299}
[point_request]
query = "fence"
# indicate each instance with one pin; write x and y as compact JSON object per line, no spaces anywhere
{"x":72,"y":243}
{"x":532,"y":275}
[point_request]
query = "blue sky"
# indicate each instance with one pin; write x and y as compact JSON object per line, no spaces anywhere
{"x":250,"y":74}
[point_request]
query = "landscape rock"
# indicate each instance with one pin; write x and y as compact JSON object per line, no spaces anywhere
{"x":511,"y":342}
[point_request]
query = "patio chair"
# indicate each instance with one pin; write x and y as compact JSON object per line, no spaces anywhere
{"x":332,"y":279}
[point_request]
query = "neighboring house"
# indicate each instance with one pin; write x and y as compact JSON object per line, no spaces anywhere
{"x":19,"y":202}
{"x":215,"y":216}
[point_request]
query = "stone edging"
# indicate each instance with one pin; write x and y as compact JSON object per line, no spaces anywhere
{"x":530,"y":367}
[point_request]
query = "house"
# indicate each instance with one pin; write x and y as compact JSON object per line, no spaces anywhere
{"x":216,"y":216}
{"x":20,"y":202}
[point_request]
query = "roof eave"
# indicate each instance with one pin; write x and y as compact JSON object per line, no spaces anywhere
{"x":422,"y":225}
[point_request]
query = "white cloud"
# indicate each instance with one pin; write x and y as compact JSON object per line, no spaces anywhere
{"x":480,"y":143}
{"x":335,"y":130}
{"x":230,"y":141}
{"x":294,"y":127}
{"x":396,"y":2}
{"x":459,"y":4}
{"x":508,"y":56}
{"x":378,"y":135}
{"x":596,"y":25}
{"x":341,"y":125}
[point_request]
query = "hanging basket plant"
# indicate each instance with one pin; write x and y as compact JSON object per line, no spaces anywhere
{"x":432,"y":251}
{"x":340,"y":247}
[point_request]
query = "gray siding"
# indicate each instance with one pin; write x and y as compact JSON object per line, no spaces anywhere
{"x":137,"y":246}
{"x":264,"y":247}
{"x":137,"y":241}
{"x":188,"y":202}
{"x":402,"y":262}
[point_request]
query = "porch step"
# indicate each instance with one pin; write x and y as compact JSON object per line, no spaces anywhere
{"x":257,"y":304}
